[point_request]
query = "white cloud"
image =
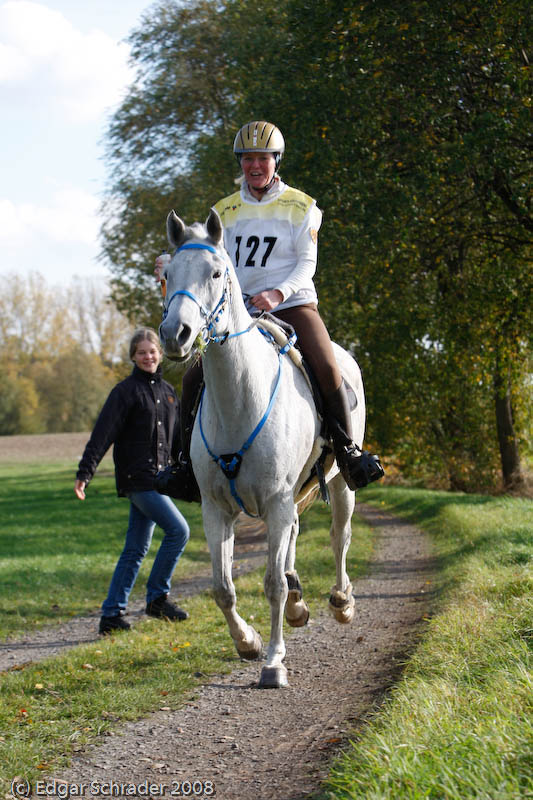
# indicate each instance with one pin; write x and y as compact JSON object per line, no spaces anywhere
{"x":45,"y":60}
{"x":58,"y":240}
{"x":71,"y":217}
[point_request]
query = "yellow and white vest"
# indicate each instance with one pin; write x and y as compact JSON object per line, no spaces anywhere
{"x":273,"y":242}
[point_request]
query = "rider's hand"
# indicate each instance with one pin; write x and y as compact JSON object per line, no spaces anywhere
{"x":267,"y":301}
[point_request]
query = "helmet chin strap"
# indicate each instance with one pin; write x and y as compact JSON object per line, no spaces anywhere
{"x":269,"y":185}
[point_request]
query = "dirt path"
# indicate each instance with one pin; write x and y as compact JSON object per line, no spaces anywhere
{"x":247,"y":744}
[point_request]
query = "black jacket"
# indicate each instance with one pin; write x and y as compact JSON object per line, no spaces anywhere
{"x":141,"y":418}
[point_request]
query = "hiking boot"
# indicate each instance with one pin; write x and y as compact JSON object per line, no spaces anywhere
{"x":178,"y":481}
{"x":111,"y":624}
{"x":162,"y":608}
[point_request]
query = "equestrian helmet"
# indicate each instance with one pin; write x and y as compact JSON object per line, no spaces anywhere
{"x":260,"y":136}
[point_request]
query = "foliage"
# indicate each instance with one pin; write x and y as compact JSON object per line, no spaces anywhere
{"x":19,"y":404}
{"x":72,"y":389}
{"x":180,"y":100}
{"x":64,"y":348}
{"x":410,"y":124}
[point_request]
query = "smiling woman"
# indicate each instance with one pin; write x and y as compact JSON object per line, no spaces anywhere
{"x":141,"y":419}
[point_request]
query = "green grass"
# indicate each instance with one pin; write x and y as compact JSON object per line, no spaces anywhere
{"x":459,"y":724}
{"x":59,"y":555}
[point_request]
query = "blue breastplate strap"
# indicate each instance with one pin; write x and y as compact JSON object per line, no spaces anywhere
{"x":231,"y":463}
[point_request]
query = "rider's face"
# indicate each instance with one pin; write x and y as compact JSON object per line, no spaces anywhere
{"x":258,"y":169}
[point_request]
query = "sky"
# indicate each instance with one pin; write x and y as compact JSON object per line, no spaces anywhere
{"x":63,"y":70}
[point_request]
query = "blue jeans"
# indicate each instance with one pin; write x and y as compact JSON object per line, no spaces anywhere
{"x":147,"y":509}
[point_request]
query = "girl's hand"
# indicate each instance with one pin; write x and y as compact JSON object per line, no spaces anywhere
{"x":160,"y":264}
{"x":79,"y":489}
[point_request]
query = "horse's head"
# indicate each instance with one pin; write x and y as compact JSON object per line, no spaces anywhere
{"x":196,"y":285}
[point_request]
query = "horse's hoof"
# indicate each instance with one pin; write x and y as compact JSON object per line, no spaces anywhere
{"x":296,"y":611}
{"x":342,"y":604}
{"x":274,"y":677}
{"x":252,"y":651}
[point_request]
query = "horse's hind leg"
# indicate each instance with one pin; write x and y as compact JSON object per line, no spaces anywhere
{"x":296,"y":610}
{"x":220,"y":538}
{"x":341,"y":601}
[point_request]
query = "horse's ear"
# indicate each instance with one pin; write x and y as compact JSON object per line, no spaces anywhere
{"x":175,"y":229}
{"x":214,"y":226}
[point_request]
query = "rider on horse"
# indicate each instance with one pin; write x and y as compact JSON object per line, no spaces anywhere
{"x":271,"y":235}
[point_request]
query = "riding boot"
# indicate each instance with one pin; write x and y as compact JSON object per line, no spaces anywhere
{"x":358,"y":467}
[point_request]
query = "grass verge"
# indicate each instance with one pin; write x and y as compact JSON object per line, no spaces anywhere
{"x":459,"y":724}
{"x":58,"y":554}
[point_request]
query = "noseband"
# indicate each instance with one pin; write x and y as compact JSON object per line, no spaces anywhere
{"x":211,"y":317}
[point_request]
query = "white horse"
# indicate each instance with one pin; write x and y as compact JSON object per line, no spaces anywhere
{"x":257,"y":408}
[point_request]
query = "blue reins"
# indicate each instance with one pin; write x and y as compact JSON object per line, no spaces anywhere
{"x":229,"y":463}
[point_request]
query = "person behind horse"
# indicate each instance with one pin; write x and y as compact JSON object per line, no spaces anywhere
{"x":141,"y":418}
{"x":271,"y":235}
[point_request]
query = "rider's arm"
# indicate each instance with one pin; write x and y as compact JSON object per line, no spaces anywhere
{"x":306,"y":246}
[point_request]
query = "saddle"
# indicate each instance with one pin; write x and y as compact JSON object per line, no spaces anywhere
{"x":281,"y":332}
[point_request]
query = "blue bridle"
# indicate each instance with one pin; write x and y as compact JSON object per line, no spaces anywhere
{"x":230,"y":463}
{"x":211,"y":317}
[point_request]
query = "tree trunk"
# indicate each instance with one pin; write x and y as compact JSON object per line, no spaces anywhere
{"x":509,"y":455}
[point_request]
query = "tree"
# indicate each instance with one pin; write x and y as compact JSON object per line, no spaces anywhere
{"x":63,"y":350}
{"x":181,"y":98}
{"x":423,"y":111}
{"x":72,"y":389}
{"x":19,"y":404}
{"x":411,"y":125}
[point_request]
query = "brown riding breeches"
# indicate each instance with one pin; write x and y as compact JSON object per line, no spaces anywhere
{"x":315,"y":344}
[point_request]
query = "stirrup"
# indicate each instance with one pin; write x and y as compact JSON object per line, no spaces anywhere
{"x":358,"y":467}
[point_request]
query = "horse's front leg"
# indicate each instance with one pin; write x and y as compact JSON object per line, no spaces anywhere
{"x":220,"y":538}
{"x":341,"y":601}
{"x":279,"y":519}
{"x":296,"y":610}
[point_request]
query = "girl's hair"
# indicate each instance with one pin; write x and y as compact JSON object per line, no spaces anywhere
{"x":140,"y":335}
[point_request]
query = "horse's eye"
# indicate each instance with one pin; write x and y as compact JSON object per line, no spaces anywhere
{"x":217,"y":274}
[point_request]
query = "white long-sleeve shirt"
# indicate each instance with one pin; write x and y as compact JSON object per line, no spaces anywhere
{"x":273,"y":242}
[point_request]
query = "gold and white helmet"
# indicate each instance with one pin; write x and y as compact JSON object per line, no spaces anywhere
{"x":260,"y":136}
